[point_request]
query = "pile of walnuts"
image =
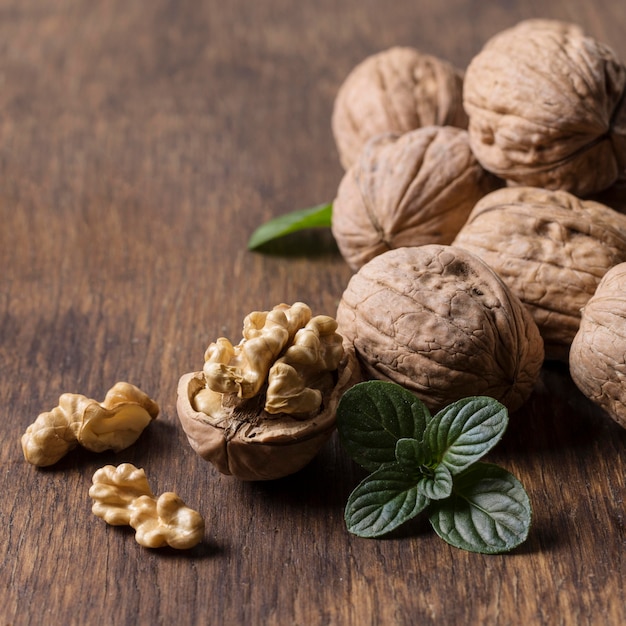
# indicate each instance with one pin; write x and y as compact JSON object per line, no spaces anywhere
{"x":470,"y":198}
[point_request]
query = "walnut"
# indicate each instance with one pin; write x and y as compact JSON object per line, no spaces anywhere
{"x":395,"y":90}
{"x":439,"y":321}
{"x":263,"y":408}
{"x":407,"y":190}
{"x":113,"y":424}
{"x":121,"y":496}
{"x":551,"y":249}
{"x":546,"y":108}
{"x":597,"y":357}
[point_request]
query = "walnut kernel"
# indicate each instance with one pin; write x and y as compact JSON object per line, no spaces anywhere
{"x":113,"y":424}
{"x":121,"y":496}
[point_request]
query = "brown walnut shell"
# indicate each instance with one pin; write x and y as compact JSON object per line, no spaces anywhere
{"x":250,"y":444}
{"x":551,"y":249}
{"x":546,"y":108}
{"x":407,"y":190}
{"x":440,"y":322}
{"x":598,"y":354}
{"x":395,"y":90}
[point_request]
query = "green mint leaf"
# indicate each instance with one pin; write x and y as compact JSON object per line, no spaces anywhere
{"x":436,"y":481}
{"x":383,"y":501}
{"x":465,"y":431}
{"x":373,"y":415}
{"x":411,"y":452}
{"x":436,"y":484}
{"x":314,"y":217}
{"x":489,"y":511}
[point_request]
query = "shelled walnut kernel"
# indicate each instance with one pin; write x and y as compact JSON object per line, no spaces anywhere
{"x":122,"y":497}
{"x":113,"y":424}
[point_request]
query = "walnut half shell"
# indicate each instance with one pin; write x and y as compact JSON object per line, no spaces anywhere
{"x":262,"y":409}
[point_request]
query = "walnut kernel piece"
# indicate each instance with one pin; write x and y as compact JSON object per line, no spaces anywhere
{"x":114,"y":489}
{"x":597,"y":359}
{"x":572,"y":137}
{"x":551,"y":249}
{"x":297,"y":367}
{"x":407,"y":190}
{"x":243,"y":369}
{"x":113,"y":424}
{"x":122,"y":496}
{"x":395,"y":90}
{"x":440,"y":322}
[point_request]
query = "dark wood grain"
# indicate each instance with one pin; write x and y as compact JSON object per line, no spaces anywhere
{"x":140,"y":145}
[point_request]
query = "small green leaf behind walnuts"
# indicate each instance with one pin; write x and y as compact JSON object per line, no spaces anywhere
{"x":318,"y":216}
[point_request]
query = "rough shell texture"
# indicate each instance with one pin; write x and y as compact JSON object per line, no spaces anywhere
{"x":551,"y":249}
{"x":407,"y":190}
{"x":395,"y":90}
{"x":546,"y":108}
{"x":437,"y":320}
{"x":598,"y":353}
{"x":251,"y":444}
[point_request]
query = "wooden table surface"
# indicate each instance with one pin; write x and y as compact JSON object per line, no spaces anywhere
{"x":140,"y":145}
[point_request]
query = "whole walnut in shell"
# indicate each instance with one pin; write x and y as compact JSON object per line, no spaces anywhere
{"x":440,"y":322}
{"x":407,"y":190}
{"x":597,"y":358}
{"x":551,"y":249}
{"x":546,"y":108}
{"x":395,"y":90}
{"x":263,"y":408}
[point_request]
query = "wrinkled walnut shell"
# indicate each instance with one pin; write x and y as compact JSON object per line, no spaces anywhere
{"x":598,"y":353}
{"x":395,"y":90}
{"x":546,"y":108}
{"x":551,"y":249}
{"x":440,"y":322}
{"x":407,"y":190}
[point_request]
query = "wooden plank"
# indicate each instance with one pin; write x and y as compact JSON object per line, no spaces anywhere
{"x":140,"y":145}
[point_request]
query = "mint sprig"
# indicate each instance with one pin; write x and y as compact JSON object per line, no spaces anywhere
{"x":419,"y":461}
{"x":318,"y":216}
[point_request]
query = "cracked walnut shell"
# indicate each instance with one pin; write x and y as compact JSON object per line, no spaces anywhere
{"x":597,"y":359}
{"x":546,"y":108}
{"x":551,"y":249}
{"x":440,"y":322}
{"x":396,"y":90}
{"x":407,"y":190}
{"x":263,"y":408}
